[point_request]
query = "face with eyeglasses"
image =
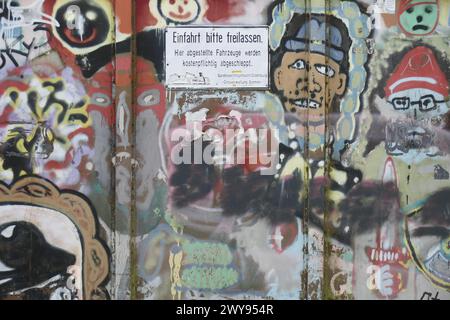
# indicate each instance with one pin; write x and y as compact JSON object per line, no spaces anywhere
{"x":419,"y":104}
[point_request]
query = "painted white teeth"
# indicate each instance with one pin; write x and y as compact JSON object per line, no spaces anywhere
{"x":301,"y":103}
{"x":313,"y":104}
{"x":383,"y":255}
{"x":304,"y":103}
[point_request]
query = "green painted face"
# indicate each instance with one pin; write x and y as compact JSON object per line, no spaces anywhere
{"x":420,"y":19}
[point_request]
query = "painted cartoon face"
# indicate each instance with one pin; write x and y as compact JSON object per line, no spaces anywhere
{"x":179,"y":11}
{"x":428,"y":237}
{"x":35,"y":263}
{"x":418,"y":88}
{"x":308,"y":82}
{"x":84,"y":26}
{"x":419,"y":19}
{"x":431,"y":245}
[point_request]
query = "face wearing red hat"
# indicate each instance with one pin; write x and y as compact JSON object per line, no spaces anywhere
{"x":418,"y":88}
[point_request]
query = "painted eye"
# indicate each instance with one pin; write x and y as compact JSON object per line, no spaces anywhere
{"x":8,"y":232}
{"x":299,"y":65}
{"x":71,"y":13}
{"x":325,"y":70}
{"x":428,"y":9}
{"x":172,"y":2}
{"x":401,"y":103}
{"x":410,"y":10}
{"x":91,"y":15}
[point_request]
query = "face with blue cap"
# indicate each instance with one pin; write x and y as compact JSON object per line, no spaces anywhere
{"x":311,"y":71}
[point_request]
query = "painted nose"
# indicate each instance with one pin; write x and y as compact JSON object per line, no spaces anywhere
{"x":419,"y":19}
{"x":180,"y":9}
{"x":314,"y":86}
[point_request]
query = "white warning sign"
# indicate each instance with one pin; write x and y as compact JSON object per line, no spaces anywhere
{"x":217,"y":57}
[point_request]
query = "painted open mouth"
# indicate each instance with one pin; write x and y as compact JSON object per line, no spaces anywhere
{"x":187,"y":15}
{"x":420,"y":27}
{"x":75,"y":38}
{"x":306,"y":103}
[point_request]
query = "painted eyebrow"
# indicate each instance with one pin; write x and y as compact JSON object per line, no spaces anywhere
{"x":431,"y":231}
{"x":323,"y":65}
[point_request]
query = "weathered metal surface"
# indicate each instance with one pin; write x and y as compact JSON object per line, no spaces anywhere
{"x":355,"y":126}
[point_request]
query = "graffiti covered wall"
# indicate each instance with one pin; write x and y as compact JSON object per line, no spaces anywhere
{"x":60,"y":71}
{"x":356,"y":114}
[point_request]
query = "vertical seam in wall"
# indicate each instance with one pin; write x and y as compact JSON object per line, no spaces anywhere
{"x":305,"y":216}
{"x":326,"y":294}
{"x":133,"y":213}
{"x":113,"y":171}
